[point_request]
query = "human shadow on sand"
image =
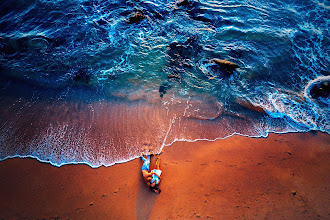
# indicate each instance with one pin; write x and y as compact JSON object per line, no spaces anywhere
{"x":145,"y":200}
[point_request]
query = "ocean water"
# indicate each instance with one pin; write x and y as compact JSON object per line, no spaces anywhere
{"x":100,"y":82}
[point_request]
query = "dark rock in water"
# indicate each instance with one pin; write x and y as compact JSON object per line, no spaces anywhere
{"x":223,"y":67}
{"x":140,"y":13}
{"x":320,"y":90}
{"x":81,"y":76}
{"x":184,"y":50}
{"x":183,"y":3}
{"x":176,"y":50}
{"x":146,"y":9}
{"x":225,"y":64}
{"x":163,"y":88}
{"x":136,"y":17}
{"x":188,"y":4}
{"x":180,"y":55}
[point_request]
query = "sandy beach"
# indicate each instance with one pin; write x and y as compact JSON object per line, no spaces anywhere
{"x":278,"y":177}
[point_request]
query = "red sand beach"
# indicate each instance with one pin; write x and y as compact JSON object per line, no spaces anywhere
{"x":278,"y":177}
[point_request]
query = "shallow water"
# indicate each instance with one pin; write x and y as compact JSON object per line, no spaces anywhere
{"x":100,"y":82}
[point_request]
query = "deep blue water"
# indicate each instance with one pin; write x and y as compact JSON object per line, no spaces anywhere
{"x":100,"y":82}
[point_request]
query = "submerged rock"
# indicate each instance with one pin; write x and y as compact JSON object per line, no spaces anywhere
{"x":136,"y":17}
{"x":180,"y":56}
{"x":189,"y":5}
{"x":184,"y":50}
{"x":183,"y":3}
{"x":163,"y":88}
{"x":11,"y":46}
{"x":320,"y":90}
{"x":81,"y":76}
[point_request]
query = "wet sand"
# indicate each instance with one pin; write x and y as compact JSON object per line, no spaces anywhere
{"x":278,"y":177}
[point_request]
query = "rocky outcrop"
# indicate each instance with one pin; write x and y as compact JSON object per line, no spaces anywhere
{"x":225,"y":64}
{"x":136,"y":17}
{"x":224,"y":67}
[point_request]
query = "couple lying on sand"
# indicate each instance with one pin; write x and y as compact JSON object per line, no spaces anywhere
{"x":151,"y":178}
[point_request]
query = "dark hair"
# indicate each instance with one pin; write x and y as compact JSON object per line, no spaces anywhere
{"x":155,"y":189}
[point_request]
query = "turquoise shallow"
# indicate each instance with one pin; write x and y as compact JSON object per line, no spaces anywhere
{"x":100,"y":82}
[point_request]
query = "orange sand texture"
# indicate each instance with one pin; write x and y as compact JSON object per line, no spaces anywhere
{"x":279,"y":177}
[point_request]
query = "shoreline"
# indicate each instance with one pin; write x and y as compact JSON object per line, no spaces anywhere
{"x":281,"y":176}
{"x":134,"y":158}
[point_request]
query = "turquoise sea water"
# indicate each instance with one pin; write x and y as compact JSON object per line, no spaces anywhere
{"x":100,"y":82}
